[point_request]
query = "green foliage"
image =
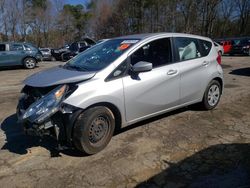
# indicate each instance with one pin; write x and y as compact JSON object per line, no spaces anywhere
{"x":39,"y":4}
{"x":79,"y":17}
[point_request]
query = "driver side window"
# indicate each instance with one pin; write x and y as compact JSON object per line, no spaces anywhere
{"x":157,"y":52}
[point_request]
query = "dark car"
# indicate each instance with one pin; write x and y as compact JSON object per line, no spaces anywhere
{"x":47,"y":56}
{"x":57,"y":53}
{"x":12,"y":54}
{"x":241,"y":46}
{"x":76,"y":48}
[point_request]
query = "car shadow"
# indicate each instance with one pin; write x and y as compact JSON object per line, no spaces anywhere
{"x":150,"y":120}
{"x":19,"y":143}
{"x":194,"y":108}
{"x":16,"y":67}
{"x":241,"y":72}
{"x":11,"y":68}
{"x":218,"y":166}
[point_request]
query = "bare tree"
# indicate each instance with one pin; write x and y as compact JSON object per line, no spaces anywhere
{"x":244,"y":15}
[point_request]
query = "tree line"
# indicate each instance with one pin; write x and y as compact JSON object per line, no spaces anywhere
{"x":54,"y":23}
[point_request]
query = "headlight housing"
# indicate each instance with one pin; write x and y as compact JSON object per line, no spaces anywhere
{"x":46,"y":106}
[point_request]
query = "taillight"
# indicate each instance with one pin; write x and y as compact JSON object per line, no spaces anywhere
{"x":218,"y":59}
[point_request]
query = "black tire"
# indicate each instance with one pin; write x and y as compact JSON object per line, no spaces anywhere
{"x":29,"y":63}
{"x":93,"y":129}
{"x":207,"y":103}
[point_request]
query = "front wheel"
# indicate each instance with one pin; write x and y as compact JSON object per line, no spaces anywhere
{"x":29,"y":63}
{"x":212,"y":95}
{"x":93,"y":129}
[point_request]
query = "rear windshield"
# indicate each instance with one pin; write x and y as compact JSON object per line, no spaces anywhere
{"x":101,"y":55}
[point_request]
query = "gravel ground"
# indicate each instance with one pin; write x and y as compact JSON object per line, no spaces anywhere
{"x":184,"y":148}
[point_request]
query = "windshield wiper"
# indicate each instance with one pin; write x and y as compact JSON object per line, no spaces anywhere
{"x":74,"y":67}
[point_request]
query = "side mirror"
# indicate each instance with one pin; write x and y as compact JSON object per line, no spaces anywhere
{"x":142,"y":66}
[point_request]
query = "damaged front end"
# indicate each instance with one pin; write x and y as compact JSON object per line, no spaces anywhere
{"x":42,"y":111}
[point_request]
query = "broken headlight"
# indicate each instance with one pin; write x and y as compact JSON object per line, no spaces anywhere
{"x":45,"y":106}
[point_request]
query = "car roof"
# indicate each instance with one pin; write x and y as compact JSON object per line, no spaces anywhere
{"x":149,"y":35}
{"x":22,"y":43}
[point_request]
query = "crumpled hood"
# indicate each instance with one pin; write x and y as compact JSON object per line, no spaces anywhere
{"x":57,"y":75}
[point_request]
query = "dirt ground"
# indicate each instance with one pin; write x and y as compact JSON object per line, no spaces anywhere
{"x":184,"y":148}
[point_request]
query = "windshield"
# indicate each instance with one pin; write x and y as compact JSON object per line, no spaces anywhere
{"x":101,"y":55}
{"x":241,"y":42}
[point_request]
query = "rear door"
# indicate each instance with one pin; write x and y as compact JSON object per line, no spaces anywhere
{"x":191,"y":54}
{"x":16,"y":54}
{"x":157,"y":90}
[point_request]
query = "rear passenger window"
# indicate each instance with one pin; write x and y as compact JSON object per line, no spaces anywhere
{"x":206,"y":47}
{"x":187,"y":48}
{"x":2,"y":47}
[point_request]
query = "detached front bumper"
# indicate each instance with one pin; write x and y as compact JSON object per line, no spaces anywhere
{"x":52,"y":126}
{"x":41,"y":112}
{"x":59,"y":126}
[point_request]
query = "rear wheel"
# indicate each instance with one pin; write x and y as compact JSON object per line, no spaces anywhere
{"x":29,"y":63}
{"x":212,"y":95}
{"x":94,"y":129}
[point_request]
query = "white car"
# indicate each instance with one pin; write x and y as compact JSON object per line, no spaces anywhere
{"x":219,"y":48}
{"x":117,"y":83}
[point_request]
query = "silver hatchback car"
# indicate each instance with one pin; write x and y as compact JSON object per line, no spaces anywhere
{"x":119,"y":82}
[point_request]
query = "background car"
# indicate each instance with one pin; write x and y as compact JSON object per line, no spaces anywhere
{"x":46,"y":52}
{"x":57,"y":53}
{"x":227,"y":46}
{"x":76,"y":48}
{"x":240,"y":46}
{"x":12,"y":54}
{"x":219,"y":48}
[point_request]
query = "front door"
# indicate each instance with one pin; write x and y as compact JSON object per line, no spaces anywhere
{"x":157,"y":90}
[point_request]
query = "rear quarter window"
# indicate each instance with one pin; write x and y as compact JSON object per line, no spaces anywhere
{"x":206,"y":47}
{"x":16,"y":47}
{"x":187,"y":48}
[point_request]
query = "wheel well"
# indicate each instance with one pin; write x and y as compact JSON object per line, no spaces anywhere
{"x":28,"y":57}
{"x":115,"y":111}
{"x":220,"y":81}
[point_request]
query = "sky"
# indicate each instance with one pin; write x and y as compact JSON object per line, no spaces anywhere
{"x":75,"y":2}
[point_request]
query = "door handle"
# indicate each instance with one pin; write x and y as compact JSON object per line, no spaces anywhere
{"x":205,"y":63}
{"x":172,"y":72}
